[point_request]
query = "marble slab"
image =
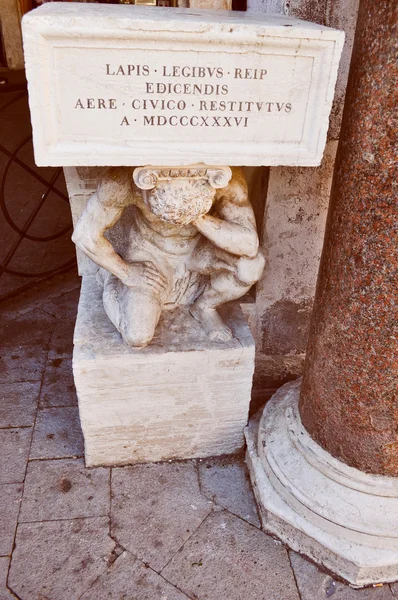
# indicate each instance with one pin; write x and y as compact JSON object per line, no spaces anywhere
{"x":126,"y":85}
{"x":181,"y":397}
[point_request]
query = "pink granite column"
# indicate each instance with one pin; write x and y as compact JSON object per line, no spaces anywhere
{"x":349,"y":402}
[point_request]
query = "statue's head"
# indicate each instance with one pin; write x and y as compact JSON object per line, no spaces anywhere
{"x":180,"y":195}
{"x":180,"y":201}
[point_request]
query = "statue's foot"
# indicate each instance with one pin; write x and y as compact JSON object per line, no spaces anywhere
{"x":212,"y":323}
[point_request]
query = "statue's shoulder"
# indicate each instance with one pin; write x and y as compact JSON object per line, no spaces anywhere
{"x":118,"y":175}
{"x":238,"y":178}
{"x":236,"y":190}
{"x":116,"y":186}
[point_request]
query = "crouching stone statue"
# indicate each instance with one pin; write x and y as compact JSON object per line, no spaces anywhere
{"x":187,"y":237}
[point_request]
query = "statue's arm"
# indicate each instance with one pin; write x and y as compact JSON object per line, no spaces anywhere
{"x":102,"y":211}
{"x":234,"y":230}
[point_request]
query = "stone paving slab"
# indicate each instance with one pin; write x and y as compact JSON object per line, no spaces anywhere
{"x":226,"y":482}
{"x":31,"y":329}
{"x":64,"y":307}
{"x":64,"y":489}
{"x":57,"y":434}
{"x":58,"y":387}
{"x":22,"y":363}
{"x":314,"y":584}
{"x":5,"y":594}
{"x":14,"y":444}
{"x":10,"y":499}
{"x":59,"y":560}
{"x":228,"y":559}
{"x":155,"y":508}
{"x":61,"y":343}
{"x":129,"y":579}
{"x":18,"y":403}
{"x":38,"y":295}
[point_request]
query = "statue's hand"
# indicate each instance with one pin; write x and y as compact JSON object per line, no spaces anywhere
{"x":144,"y":273}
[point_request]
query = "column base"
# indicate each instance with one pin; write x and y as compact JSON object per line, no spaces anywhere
{"x":338,"y":516}
{"x":181,"y":397}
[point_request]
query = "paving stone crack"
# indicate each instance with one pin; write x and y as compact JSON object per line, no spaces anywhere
{"x":65,"y":519}
{"x":294,"y":574}
{"x":19,"y":426}
{"x":47,"y":348}
{"x":97,"y":578}
{"x":188,"y":538}
{"x":66,"y":457}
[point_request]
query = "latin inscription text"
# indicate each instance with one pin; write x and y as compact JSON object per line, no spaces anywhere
{"x":202,"y":90}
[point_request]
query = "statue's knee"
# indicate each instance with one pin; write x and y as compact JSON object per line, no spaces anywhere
{"x":250,"y":269}
{"x":139,"y":316}
{"x":136,"y":339}
{"x":137,"y":335}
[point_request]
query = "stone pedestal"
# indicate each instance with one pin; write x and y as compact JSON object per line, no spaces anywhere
{"x":325,"y":467}
{"x":339,"y":516}
{"x":181,"y":397}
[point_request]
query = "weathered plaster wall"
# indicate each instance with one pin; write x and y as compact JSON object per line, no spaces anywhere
{"x":10,"y":25}
{"x":292,"y":237}
{"x":294,"y":220}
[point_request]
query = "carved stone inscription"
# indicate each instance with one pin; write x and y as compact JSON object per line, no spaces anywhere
{"x":121,"y":85}
{"x":186,"y":92}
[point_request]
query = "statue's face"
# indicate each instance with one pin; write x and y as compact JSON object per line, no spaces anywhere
{"x":180,"y":201}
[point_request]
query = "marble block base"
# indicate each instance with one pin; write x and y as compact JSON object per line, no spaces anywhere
{"x":181,"y":397}
{"x":341,"y":518}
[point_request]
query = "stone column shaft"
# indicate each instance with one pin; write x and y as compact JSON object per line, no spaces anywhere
{"x":349,"y":401}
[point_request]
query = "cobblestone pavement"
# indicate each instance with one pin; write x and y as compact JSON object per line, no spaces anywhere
{"x":171,"y":531}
